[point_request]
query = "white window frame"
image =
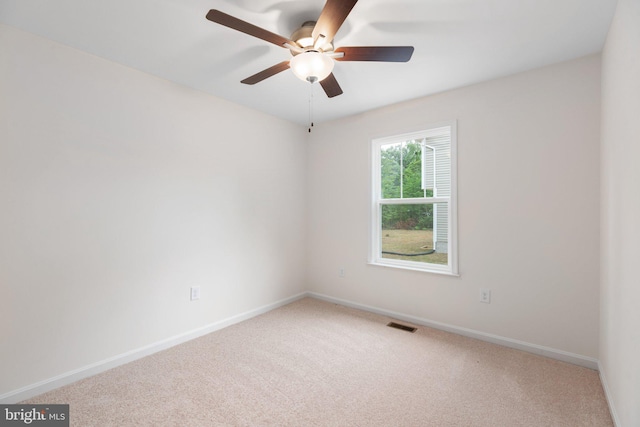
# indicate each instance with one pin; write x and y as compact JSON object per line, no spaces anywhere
{"x":375,"y":227}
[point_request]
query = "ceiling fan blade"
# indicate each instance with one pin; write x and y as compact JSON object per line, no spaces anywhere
{"x":271,"y":71}
{"x":247,"y":28}
{"x":331,"y":18}
{"x":331,"y":86}
{"x":376,"y":53}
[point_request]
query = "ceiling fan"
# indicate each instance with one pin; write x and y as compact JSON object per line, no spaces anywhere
{"x":312,"y":46}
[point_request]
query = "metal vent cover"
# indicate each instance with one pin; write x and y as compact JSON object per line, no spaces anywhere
{"x":402,"y":327}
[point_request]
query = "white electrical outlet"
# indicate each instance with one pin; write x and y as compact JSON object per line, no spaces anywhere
{"x":342,"y":272}
{"x":485,"y":296}
{"x":195,"y":293}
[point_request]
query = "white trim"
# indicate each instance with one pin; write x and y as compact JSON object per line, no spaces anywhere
{"x":433,"y":129}
{"x":375,"y":237}
{"x":414,"y":201}
{"x":434,"y":228}
{"x":113,"y":362}
{"x":412,"y":265}
{"x":565,"y":356}
{"x":424,"y":161}
{"x":607,"y":395}
{"x":453,"y":204}
{"x":121,"y":359}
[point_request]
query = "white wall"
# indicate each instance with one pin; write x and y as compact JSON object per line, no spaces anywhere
{"x":119,"y":191}
{"x":620,"y":297}
{"x":528,"y":149}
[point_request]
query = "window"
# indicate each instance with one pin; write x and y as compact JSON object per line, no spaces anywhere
{"x":413,"y":209}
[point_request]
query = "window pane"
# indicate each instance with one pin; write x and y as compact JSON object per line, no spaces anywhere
{"x":412,"y":169}
{"x":391,"y":165}
{"x":428,"y":165}
{"x":415,"y":232}
{"x":437,"y":169}
{"x":401,"y":171}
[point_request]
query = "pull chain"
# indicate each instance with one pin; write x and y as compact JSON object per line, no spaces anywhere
{"x":310,"y":107}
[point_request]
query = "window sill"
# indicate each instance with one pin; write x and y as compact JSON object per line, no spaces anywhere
{"x":413,"y":268}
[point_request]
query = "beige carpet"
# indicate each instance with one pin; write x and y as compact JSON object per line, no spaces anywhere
{"x":312,"y":363}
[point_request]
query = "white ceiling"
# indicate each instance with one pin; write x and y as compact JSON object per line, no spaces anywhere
{"x":457,"y":42}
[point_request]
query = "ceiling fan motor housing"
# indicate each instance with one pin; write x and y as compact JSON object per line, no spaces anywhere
{"x":304,"y":38}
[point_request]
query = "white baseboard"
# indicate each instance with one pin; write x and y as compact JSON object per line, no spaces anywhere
{"x":121,"y":359}
{"x":552,"y":353}
{"x":607,"y":395}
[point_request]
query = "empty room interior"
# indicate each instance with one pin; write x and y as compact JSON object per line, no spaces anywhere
{"x":178,"y":242}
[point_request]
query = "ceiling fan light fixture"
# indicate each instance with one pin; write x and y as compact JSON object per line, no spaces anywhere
{"x":311,"y":66}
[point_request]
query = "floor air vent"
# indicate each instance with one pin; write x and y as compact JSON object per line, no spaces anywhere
{"x":401,"y":327}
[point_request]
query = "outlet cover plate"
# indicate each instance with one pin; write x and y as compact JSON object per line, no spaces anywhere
{"x":485,"y":296}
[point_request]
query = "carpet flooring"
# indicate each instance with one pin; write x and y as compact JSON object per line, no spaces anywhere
{"x":313,"y":363}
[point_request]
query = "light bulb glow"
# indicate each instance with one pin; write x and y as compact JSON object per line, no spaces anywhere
{"x":309,"y":65}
